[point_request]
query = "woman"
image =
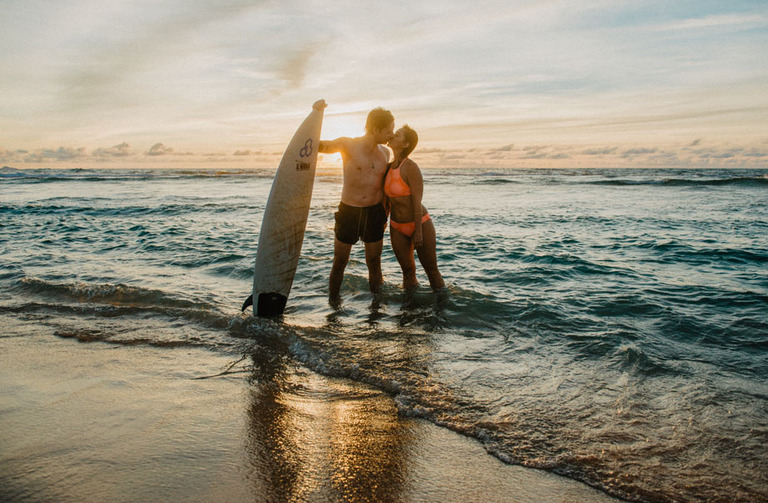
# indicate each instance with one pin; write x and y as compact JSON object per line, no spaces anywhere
{"x":410,"y":225}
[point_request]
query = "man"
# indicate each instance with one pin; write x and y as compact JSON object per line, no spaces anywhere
{"x":361,"y":214}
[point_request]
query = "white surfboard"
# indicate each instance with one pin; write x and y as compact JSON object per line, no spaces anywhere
{"x":285,"y":218}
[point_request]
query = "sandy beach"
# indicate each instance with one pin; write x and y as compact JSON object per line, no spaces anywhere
{"x":101,"y":422}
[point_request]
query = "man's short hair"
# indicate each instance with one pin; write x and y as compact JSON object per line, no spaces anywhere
{"x":378,"y":118}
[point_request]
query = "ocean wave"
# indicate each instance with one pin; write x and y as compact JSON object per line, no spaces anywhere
{"x":495,"y":181}
{"x":40,"y":176}
{"x":757,"y":181}
{"x":115,"y":300}
{"x":36,"y":176}
{"x":107,"y":293}
{"x":423,"y":310}
{"x":168,"y":209}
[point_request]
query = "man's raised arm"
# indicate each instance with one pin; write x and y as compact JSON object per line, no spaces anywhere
{"x":333,"y":146}
{"x":329,"y":146}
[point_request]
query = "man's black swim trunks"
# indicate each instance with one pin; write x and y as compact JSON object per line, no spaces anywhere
{"x":353,"y":223}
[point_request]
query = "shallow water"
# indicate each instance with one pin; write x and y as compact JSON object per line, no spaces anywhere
{"x":609,"y":325}
{"x":97,"y":422}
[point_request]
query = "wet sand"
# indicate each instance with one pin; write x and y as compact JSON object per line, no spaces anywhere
{"x":99,"y":422}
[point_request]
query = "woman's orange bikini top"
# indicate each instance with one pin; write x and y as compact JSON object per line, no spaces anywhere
{"x":394,"y":185}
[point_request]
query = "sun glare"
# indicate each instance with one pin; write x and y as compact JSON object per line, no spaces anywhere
{"x":346,"y":124}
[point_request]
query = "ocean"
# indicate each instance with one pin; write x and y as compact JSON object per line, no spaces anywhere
{"x":608,"y":325}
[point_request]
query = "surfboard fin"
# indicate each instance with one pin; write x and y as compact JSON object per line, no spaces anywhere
{"x":248,"y":302}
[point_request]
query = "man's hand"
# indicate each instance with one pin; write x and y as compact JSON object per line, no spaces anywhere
{"x":319,"y":105}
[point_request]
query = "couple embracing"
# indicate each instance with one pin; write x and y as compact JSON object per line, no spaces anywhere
{"x":374,"y":190}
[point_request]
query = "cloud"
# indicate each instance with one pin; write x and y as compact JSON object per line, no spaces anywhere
{"x":294,"y":68}
{"x":114,"y":69}
{"x":716,"y":21}
{"x":599,"y":151}
{"x":60,"y":154}
{"x":545,"y":155}
{"x":455,"y":157}
{"x":159,"y":149}
{"x":12,"y":155}
{"x":638,"y":151}
{"x":249,"y":152}
{"x":505,"y":148}
{"x":122,"y":150}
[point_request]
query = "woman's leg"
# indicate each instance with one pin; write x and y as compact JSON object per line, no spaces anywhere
{"x":403,"y":248}
{"x":428,"y":255}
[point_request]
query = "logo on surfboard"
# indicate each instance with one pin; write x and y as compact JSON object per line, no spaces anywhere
{"x":307,"y":150}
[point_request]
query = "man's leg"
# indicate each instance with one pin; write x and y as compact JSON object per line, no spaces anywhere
{"x":341,"y":253}
{"x":373,"y":261}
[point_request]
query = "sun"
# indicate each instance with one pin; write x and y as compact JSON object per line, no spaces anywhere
{"x":349,"y":124}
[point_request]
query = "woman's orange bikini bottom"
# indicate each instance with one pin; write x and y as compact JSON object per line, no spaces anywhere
{"x":407,"y":229}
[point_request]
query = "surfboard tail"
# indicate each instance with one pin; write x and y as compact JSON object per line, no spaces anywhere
{"x":270,"y":304}
{"x":267,"y":305}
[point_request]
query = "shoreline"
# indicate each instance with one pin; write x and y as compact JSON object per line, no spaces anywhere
{"x":101,"y":422}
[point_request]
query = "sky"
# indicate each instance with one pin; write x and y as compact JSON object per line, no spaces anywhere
{"x":560,"y":83}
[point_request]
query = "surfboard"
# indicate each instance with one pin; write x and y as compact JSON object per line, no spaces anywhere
{"x":285,"y":219}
